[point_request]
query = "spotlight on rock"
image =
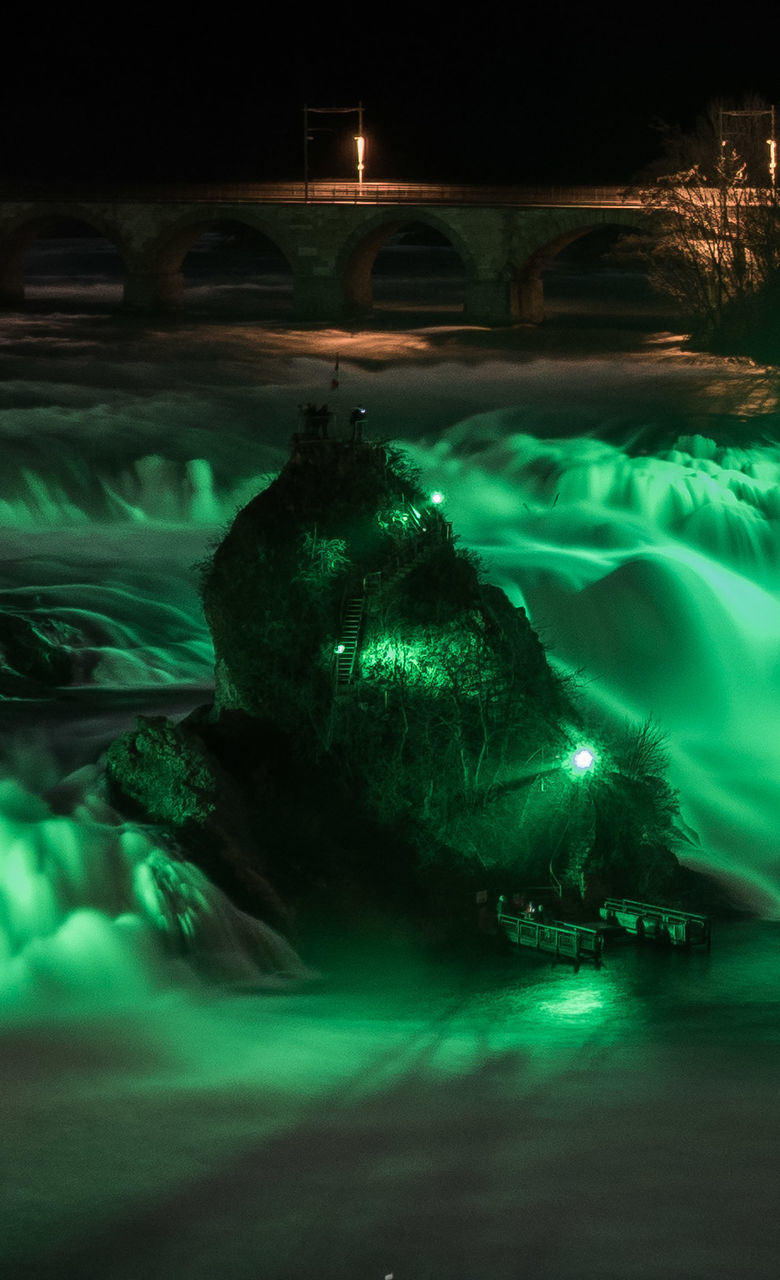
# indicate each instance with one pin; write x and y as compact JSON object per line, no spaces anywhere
{"x":583,"y":760}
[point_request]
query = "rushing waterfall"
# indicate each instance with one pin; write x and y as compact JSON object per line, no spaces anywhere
{"x":624,"y":501}
{"x":657,"y":579}
{"x":92,"y":908}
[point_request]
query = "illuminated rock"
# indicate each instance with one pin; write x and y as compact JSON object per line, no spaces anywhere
{"x":166,"y":773}
{"x":386,"y":726}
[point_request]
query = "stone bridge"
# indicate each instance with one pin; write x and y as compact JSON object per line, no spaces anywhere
{"x":329,"y":234}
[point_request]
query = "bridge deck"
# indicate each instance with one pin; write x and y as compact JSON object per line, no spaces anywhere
{"x":333,"y":192}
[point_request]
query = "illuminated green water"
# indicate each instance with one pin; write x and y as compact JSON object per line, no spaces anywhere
{"x":404,"y":1116}
{"x":407,"y":1117}
{"x":658,"y":577}
{"x":646,"y":554}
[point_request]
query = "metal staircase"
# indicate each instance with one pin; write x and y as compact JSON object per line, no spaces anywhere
{"x":347,"y":647}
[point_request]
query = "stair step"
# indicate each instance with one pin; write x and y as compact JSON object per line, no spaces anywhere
{"x":348,"y":639}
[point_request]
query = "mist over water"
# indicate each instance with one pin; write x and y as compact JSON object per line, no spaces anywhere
{"x":627,"y":499}
{"x":406,"y":1117}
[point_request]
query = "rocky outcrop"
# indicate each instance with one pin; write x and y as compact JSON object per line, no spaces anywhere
{"x":342,"y":610}
{"x":34,"y":654}
{"x":387,"y":732}
{"x":165,"y":773}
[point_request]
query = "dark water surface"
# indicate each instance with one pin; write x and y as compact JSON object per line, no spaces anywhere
{"x":502,"y":1118}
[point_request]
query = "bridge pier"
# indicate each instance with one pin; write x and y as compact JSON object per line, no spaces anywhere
{"x":529,"y":306}
{"x":150,"y":292}
{"x":505,"y":301}
{"x":504,"y":241}
{"x":489,"y":302}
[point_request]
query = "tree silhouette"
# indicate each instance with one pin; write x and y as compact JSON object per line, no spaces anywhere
{"x":716,"y":249}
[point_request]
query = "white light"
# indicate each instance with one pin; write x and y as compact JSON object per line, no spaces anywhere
{"x":360,"y":143}
{"x":583,"y":760}
{"x":437,"y":498}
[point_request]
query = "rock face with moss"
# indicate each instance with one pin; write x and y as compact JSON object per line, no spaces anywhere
{"x":386,"y":721}
{"x":341,"y":607}
{"x":172,"y":775}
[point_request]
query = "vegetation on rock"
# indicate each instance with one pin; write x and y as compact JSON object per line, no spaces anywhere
{"x":407,"y":760}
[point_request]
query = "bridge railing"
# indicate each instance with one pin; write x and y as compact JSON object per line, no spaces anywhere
{"x":333,"y":192}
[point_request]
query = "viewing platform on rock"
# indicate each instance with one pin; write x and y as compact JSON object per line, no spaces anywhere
{"x":320,"y":431}
{"x":660,"y":924}
{"x":621,"y":917}
{"x":570,"y":941}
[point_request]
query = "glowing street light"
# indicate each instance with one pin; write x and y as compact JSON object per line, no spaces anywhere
{"x":437,"y":498}
{"x":359,"y":138}
{"x":360,"y":144}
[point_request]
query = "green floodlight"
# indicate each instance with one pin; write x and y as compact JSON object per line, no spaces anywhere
{"x":583,"y":760}
{"x":437,"y":497}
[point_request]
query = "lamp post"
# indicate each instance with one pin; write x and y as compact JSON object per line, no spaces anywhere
{"x":358,"y":138}
{"x":360,"y":144}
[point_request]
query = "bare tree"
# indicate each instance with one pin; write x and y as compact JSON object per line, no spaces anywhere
{"x":717,"y":243}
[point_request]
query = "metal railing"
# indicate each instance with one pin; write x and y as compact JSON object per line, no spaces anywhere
{"x":559,"y":937}
{"x":333,"y":192}
{"x":646,"y":919}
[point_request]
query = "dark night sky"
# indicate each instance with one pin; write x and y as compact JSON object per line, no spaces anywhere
{"x":556,"y":91}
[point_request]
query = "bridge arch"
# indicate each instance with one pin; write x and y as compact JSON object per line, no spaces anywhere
{"x":529,"y":260}
{"x":330,"y":243}
{"x":21,"y":233}
{"x":157,"y":281}
{"x":360,"y":250}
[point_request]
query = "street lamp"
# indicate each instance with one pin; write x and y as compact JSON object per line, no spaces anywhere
{"x":360,"y":144}
{"x":359,"y":139}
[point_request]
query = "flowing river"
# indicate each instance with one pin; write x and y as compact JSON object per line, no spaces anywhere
{"x":400,"y":1118}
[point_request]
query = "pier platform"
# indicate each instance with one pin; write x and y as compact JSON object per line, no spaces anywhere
{"x":660,"y":924}
{"x":570,"y":941}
